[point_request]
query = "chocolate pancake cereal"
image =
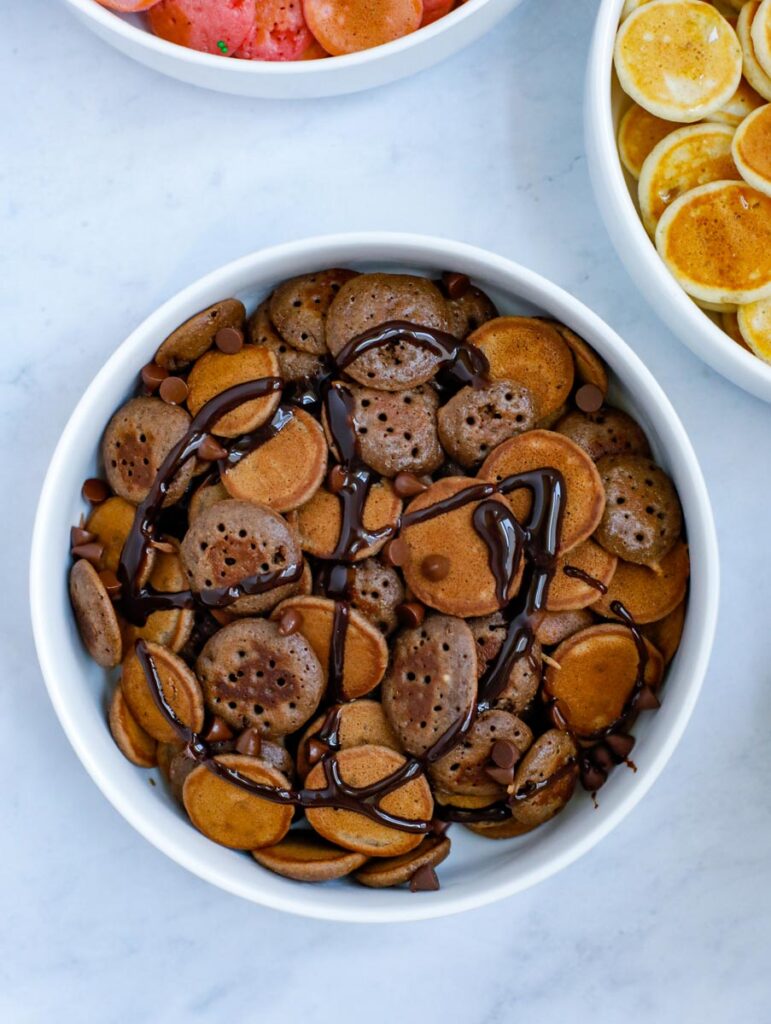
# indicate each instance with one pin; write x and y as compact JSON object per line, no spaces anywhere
{"x":372,"y":562}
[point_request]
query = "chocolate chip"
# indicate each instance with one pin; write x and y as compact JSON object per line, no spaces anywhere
{"x":111,"y":583}
{"x":455,"y":285}
{"x":589,"y":398}
{"x":411,"y":614}
{"x":95,"y":491}
{"x":153,"y":376}
{"x":249,"y":743}
{"x":620,"y":744}
{"x":336,"y":479}
{"x":211,"y":450}
{"x":315,"y":750}
{"x":229,"y":340}
{"x":503,"y":776}
{"x":218,"y":731}
{"x":435,"y":567}
{"x":424,"y":880}
{"x":395,"y":552}
{"x":80,"y":536}
{"x":407,"y":485}
{"x":592,"y":778}
{"x":646,"y":700}
{"x":173,"y":391}
{"x":291,"y":622}
{"x":92,"y":552}
{"x":504,"y":754}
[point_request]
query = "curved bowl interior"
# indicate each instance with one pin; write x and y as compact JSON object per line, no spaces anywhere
{"x":297,"y":79}
{"x":479,"y":871}
{"x":616,"y":194}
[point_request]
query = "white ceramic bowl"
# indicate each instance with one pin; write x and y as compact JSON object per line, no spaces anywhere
{"x":479,"y":871}
{"x":296,"y":79}
{"x":616,"y":193}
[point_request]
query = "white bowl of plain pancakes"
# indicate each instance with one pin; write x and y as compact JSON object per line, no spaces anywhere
{"x":678,"y":130}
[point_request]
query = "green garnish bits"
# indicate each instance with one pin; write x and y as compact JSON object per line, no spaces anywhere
{"x":222,"y":45}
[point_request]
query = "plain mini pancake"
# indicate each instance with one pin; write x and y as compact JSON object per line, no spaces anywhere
{"x":192,"y":338}
{"x":741,"y":104}
{"x":638,"y":133}
{"x":181,"y":693}
{"x":752,"y":149}
{"x":761,"y":35}
{"x":648,"y":594}
{"x":589,"y":366}
{"x":570,"y":592}
{"x":357,"y":723}
{"x":171,"y":627}
{"x":758,"y":78}
{"x":754,"y":322}
{"x":730,"y":324}
{"x":690,"y":156}
{"x":111,"y":522}
{"x":679,"y":59}
{"x":384,"y":872}
{"x":133,"y":742}
{"x":306,"y":857}
{"x":217,"y":371}
{"x":716,"y":241}
{"x":347,"y":26}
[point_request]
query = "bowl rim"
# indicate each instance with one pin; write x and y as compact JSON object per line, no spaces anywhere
{"x":692,"y":325}
{"x":112,"y":22}
{"x":403,"y":248}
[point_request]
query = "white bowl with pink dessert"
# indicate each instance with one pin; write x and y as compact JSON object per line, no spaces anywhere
{"x":297,"y":78}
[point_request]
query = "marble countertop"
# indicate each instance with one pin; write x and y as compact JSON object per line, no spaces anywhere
{"x":118,"y":188}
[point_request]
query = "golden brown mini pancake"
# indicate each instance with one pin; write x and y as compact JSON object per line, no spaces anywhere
{"x":305,"y":857}
{"x":754,"y":321}
{"x":648,"y":594}
{"x":688,"y":157}
{"x":388,"y":871}
{"x":758,"y":78}
{"x":608,"y":431}
{"x":475,"y":420}
{"x":97,"y":622}
{"x":638,"y":133}
{"x":468,"y":586}
{"x":730,"y":324}
{"x":131,"y":739}
{"x":590,"y":369}
{"x":540,"y":449}
{"x":111,"y":522}
{"x":284,"y":472}
{"x":530,"y":352}
{"x":318,"y":522}
{"x":366,"y":653}
{"x":431,"y":681}
{"x":180,"y":690}
{"x":217,"y":371}
{"x":462,"y":770}
{"x":358,"y":722}
{"x":363,"y":766}
{"x":555,"y":627}
{"x":569,"y":592}
{"x":230,"y":815}
{"x":137,"y":440}
{"x":170,"y":628}
{"x":752,"y":149}
{"x":192,"y":338}
{"x":298,"y":308}
{"x":507,"y":829}
{"x":665,"y":634}
{"x":545,"y":779}
{"x":680,"y":59}
{"x":741,"y":104}
{"x":293,"y":364}
{"x":206,"y":494}
{"x":716,"y":241}
{"x":598,"y":669}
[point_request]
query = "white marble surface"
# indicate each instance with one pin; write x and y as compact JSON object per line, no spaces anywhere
{"x":119,"y":187}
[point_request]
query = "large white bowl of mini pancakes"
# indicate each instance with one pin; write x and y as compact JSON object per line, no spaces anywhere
{"x":479,"y":871}
{"x":673,"y":129}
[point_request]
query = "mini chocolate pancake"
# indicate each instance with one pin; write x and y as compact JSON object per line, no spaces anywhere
{"x":475,"y":420}
{"x":648,"y":594}
{"x":234,"y":540}
{"x":94,"y":612}
{"x":525,"y":676}
{"x":584,"y":498}
{"x":255,"y":678}
{"x":298,"y":308}
{"x":597,"y":675}
{"x":446,"y":563}
{"x":171,"y":628}
{"x":530,"y":352}
{"x":286,"y":470}
{"x":180,"y":691}
{"x":111,"y":522}
{"x":396,"y":431}
{"x":590,"y":369}
{"x":138,"y":438}
{"x":608,"y":431}
{"x":131,"y":739}
{"x":217,"y":371}
{"x":363,"y":766}
{"x":165,"y":754}
{"x":389,"y":871}
{"x":319,"y":521}
{"x":431,"y":682}
{"x":466,"y":769}
{"x":579,"y":577}
{"x":366,"y":653}
{"x":545,"y":779}
{"x":306,"y":857}
{"x":555,"y":627}
{"x":510,"y":828}
{"x":666,"y":633}
{"x":469,"y":311}
{"x":293,"y":365}
{"x":192,"y":338}
{"x":357,"y":723}
{"x":642,"y":518}
{"x":230,"y":815}
{"x":377,"y":591}
{"x":207,"y":493}
{"x":373,"y":299}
